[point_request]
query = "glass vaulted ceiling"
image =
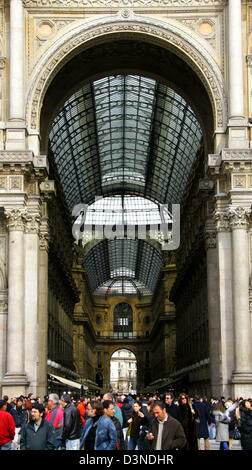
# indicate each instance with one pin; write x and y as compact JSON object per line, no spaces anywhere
{"x":124,"y":135}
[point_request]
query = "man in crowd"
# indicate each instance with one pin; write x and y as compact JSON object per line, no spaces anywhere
{"x":172,"y":409}
{"x":166,"y":433}
{"x":7,"y":427}
{"x":18,"y":414}
{"x":38,"y":434}
{"x":82,"y":407}
{"x":106,"y":436}
{"x":117,"y":410}
{"x":72,"y":429}
{"x":55,"y":416}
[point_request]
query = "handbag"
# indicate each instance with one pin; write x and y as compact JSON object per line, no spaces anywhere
{"x":236,"y":434}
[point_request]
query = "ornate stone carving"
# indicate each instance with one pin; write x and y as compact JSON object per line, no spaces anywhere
{"x":239,"y":217}
{"x":44,"y":236}
{"x":222,"y":221}
{"x":210,"y":239}
{"x":239,"y":154}
{"x":32,"y":222}
{"x":120,"y":3}
{"x":198,"y":60}
{"x":16,"y":218}
{"x":2,"y":63}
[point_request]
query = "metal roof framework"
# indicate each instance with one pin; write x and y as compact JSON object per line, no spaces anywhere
{"x":124,"y":135}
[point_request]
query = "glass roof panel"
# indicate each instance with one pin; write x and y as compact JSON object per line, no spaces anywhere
{"x":124,"y":134}
{"x":117,"y":261}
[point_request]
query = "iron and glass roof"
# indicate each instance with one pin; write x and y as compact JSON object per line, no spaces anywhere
{"x":121,"y":266}
{"x":124,"y":136}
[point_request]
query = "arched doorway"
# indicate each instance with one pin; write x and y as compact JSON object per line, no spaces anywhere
{"x":128,"y":124}
{"x":123,"y":372}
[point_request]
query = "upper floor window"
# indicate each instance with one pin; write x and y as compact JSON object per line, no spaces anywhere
{"x":123,"y":317}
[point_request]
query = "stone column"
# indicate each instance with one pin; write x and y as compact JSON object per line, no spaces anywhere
{"x":16,"y":60}
{"x":238,"y":126}
{"x":213,"y":307}
{"x":242,"y":376}
{"x":31,"y":244}
{"x":236,"y":107}
{"x":15,"y":378}
{"x":43,"y":305}
{"x":224,"y":247}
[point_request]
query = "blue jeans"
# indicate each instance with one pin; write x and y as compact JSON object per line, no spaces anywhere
{"x":133,"y":442}
{"x":224,"y":445}
{"x":73,"y":445}
{"x":6,"y":446}
{"x":57,"y":444}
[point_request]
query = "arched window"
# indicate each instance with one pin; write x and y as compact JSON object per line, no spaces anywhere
{"x":123,"y":317}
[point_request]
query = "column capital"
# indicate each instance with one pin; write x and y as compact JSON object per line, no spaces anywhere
{"x":222,"y":221}
{"x":239,"y":217}
{"x":16,"y":218}
{"x":32,"y":222}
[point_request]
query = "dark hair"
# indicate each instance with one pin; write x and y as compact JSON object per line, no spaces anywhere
{"x":39,"y":407}
{"x":2,"y":403}
{"x":5,"y":398}
{"x":106,"y":404}
{"x":97,"y":405}
{"x":171,"y":395}
{"x":20,"y":399}
{"x":160,"y":404}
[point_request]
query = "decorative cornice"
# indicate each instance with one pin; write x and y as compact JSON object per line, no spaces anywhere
{"x":16,"y":218}
{"x":162,"y":33}
{"x":236,"y":154}
{"x":121,"y":3}
{"x":239,"y":217}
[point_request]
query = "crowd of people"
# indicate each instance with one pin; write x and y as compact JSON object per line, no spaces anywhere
{"x":109,"y":422}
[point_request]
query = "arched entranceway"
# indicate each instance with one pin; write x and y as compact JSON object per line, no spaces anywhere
{"x":123,"y":372}
{"x":127,"y":124}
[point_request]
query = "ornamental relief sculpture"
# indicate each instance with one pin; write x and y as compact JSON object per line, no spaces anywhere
{"x":202,"y":64}
{"x":15,"y":218}
{"x":239,"y":217}
{"x":121,"y":3}
{"x":222,"y":221}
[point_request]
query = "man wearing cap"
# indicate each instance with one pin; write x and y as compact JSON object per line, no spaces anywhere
{"x":72,"y":429}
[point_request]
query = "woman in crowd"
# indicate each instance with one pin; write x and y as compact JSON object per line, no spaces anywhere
{"x":188,"y":416}
{"x":222,"y":428}
{"x":135,"y":422}
{"x":246,"y":424}
{"x":95,"y":411}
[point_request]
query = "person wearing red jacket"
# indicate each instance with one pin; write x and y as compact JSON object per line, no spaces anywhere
{"x":7,"y":427}
{"x":82,"y":409}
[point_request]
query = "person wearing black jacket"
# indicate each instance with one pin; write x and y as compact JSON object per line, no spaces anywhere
{"x":127,"y":411}
{"x":18,"y":413}
{"x":72,"y":424}
{"x":246,"y":425}
{"x":38,"y":434}
{"x":172,"y":409}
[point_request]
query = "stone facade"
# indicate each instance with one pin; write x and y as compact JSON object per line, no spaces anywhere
{"x":196,"y":330}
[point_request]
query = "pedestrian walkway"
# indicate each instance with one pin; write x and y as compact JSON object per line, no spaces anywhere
{"x":236,"y":445}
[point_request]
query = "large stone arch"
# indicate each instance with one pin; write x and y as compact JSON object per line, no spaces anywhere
{"x":95,"y":32}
